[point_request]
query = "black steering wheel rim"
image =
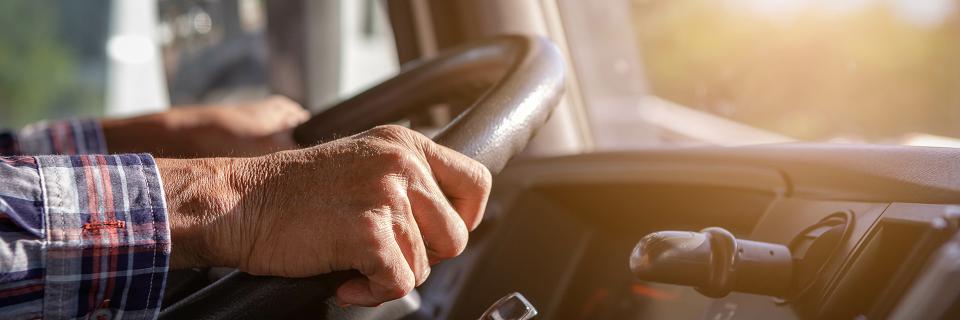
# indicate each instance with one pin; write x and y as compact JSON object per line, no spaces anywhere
{"x":519,"y":80}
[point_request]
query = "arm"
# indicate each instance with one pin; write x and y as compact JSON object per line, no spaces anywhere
{"x":255,"y":128}
{"x":249,"y":129}
{"x":89,"y":234}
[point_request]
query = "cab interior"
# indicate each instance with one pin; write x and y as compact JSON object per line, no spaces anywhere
{"x":668,"y":116}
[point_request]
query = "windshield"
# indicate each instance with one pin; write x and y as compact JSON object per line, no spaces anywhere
{"x":830,"y":70}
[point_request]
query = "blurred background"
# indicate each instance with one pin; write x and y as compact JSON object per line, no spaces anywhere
{"x":63,"y":58}
{"x":52,"y":63}
{"x":878,"y":71}
{"x":857,"y":70}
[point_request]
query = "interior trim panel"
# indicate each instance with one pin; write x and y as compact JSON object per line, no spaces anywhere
{"x":560,"y":230}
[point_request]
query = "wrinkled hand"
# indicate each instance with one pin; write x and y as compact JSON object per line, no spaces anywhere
{"x":249,"y":129}
{"x":387,"y":202}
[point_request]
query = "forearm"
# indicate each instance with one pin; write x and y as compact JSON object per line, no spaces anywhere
{"x":138,"y":134}
{"x":202,"y":196}
{"x":162,"y":134}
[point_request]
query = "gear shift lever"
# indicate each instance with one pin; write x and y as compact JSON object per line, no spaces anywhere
{"x":713,"y":261}
{"x":513,"y":306}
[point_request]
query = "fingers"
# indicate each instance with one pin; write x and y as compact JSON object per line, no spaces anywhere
{"x":464,"y":181}
{"x":278,"y":113}
{"x":293,"y":114}
{"x":408,"y":237}
{"x":444,"y":232}
{"x":443,"y":196}
{"x":386,"y":278}
{"x":399,"y":264}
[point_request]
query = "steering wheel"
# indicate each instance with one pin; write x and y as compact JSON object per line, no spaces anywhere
{"x":515,"y":82}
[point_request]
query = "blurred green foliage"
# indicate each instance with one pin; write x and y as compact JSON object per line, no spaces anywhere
{"x":41,"y":73}
{"x":860,"y":75}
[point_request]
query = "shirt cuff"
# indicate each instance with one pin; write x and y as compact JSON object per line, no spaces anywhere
{"x":107,"y":236}
{"x":67,"y":137}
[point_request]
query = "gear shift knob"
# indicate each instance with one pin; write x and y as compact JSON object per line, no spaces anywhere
{"x":714,"y":262}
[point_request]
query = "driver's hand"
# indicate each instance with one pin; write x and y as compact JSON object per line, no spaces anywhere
{"x":387,"y":202}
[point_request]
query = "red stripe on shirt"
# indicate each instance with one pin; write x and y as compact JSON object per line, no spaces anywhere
{"x":55,"y":138}
{"x":94,"y":245}
{"x":109,"y":215}
{"x":71,"y":142}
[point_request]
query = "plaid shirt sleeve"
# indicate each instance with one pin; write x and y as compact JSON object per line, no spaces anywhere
{"x":81,"y":236}
{"x":74,"y":136}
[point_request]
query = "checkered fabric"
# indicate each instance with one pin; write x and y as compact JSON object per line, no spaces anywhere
{"x":69,"y":137}
{"x":81,"y":236}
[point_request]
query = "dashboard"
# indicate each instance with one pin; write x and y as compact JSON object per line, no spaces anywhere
{"x":866,"y":242}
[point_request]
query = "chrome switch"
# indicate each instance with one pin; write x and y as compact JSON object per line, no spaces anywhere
{"x":513,"y":306}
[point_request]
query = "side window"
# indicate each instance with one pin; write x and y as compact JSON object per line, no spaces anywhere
{"x":850,"y":71}
{"x":52,"y":59}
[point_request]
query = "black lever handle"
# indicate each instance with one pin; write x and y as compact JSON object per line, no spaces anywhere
{"x":714,"y":262}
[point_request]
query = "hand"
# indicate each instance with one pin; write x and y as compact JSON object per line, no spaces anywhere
{"x":387,"y":202}
{"x":251,"y":129}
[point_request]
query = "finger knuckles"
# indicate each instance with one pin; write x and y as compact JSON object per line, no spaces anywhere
{"x":484,"y":179}
{"x":424,"y":274}
{"x":395,"y":157}
{"x":401,"y":280}
{"x":390,"y":132}
{"x":402,"y":286}
{"x":454,"y":245}
{"x":375,"y":228}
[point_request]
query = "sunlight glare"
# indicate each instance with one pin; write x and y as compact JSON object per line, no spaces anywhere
{"x":786,"y":8}
{"x":926,"y":13}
